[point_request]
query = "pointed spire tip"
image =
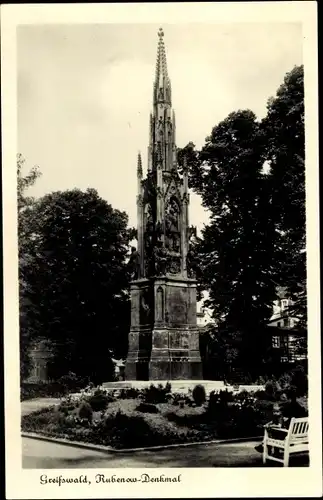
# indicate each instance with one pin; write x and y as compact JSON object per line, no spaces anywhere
{"x":139,"y":164}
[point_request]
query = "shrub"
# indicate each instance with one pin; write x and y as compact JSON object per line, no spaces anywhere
{"x":188,"y":417}
{"x":72,"y":382}
{"x":179,"y":397}
{"x":156,"y":394}
{"x":41,"y":390}
{"x":99,"y":400}
{"x":218,"y":402}
{"x":40,"y":419}
{"x":131,"y":393}
{"x":241,"y":396}
{"x":299,"y":380}
{"x":239,"y":421}
{"x":199,"y":395}
{"x":261,"y":395}
{"x":271,"y":390}
{"x":127,"y":431}
{"x":168,"y":387}
{"x":147,"y":408}
{"x":226,"y":396}
{"x":85,"y":411}
{"x":71,"y":420}
{"x":68,"y":405}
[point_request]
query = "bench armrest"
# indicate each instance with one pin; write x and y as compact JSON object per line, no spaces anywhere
{"x":275,"y":427}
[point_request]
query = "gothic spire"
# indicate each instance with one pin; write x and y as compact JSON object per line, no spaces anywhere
{"x":139,"y":166}
{"x":162,"y":87}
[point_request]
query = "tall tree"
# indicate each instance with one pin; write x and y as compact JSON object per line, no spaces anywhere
{"x":25,"y":204}
{"x":285,"y":153}
{"x":79,"y":280}
{"x":236,"y":248}
{"x":255,"y":240}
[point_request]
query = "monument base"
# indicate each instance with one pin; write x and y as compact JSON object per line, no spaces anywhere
{"x":164,"y":369}
{"x":164,"y":337}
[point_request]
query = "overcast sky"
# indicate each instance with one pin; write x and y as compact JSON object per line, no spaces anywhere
{"x":85,"y":94}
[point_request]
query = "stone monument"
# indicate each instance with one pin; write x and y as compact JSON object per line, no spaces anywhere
{"x":164,"y":336}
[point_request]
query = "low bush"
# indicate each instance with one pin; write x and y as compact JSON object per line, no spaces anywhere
{"x":41,"y":390}
{"x":188,"y":417}
{"x":221,"y":397}
{"x":147,"y":408}
{"x":271,"y":389}
{"x":67,"y":405}
{"x":99,"y":400}
{"x":40,"y":419}
{"x":299,"y":380}
{"x":199,"y":395}
{"x":127,"y":431}
{"x":239,"y":421}
{"x":64,"y":385}
{"x":131,"y":393}
{"x":241,"y":396}
{"x":261,"y":395}
{"x":85,"y":411}
{"x":179,"y":398}
{"x":156,"y":394}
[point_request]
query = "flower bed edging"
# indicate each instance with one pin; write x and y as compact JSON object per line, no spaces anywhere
{"x":98,"y":447}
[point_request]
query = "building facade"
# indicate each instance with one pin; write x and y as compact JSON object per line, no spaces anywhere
{"x":287,"y":339}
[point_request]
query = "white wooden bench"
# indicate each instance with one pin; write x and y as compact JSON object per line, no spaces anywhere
{"x":295,"y":441}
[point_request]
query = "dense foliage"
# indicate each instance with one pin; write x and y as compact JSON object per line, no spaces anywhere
{"x":250,"y":175}
{"x":76,"y":278}
{"x":25,"y":206}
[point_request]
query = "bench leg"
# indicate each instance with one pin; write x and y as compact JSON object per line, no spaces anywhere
{"x":286,"y":456}
{"x":265,"y":452}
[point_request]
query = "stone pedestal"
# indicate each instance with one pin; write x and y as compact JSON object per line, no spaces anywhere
{"x":164,"y":337}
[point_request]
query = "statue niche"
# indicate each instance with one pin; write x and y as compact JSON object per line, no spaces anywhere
{"x":145,"y":308}
{"x":160,"y":259}
{"x":134,"y":264}
{"x":172,"y":226}
{"x":148,"y":239}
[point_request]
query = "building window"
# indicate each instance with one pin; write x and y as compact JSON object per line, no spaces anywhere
{"x":284,"y":304}
{"x":286,"y":322}
{"x":279,"y":324}
{"x":276,"y":341}
{"x":292,"y":355}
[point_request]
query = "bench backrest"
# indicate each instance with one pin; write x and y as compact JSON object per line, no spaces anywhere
{"x":298,"y":429}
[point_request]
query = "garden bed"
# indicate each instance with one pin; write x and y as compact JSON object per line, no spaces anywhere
{"x":150,"y":417}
